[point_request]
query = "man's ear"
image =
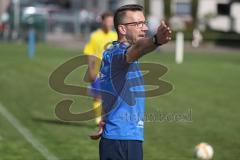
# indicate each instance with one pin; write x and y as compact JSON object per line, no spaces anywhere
{"x":122,"y":29}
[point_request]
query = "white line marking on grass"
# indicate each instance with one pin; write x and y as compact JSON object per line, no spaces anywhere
{"x":27,"y":134}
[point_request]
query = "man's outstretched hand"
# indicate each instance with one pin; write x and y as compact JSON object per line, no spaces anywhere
{"x":97,"y":135}
{"x":163,"y":33}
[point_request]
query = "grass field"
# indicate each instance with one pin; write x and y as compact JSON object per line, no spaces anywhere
{"x":208,"y":84}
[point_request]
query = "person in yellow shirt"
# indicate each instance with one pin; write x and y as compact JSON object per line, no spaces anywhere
{"x":94,"y":49}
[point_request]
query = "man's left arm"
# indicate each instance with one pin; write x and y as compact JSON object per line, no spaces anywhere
{"x":146,"y":45}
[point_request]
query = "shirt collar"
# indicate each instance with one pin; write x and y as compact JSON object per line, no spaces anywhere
{"x":121,"y":44}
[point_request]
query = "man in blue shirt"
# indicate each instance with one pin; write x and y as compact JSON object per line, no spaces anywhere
{"x":122,"y":85}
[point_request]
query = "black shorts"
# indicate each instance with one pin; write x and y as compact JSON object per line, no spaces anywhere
{"x":120,"y":149}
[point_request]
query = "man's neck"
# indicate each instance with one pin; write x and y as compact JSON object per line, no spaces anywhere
{"x":124,"y":40}
{"x":105,"y":30}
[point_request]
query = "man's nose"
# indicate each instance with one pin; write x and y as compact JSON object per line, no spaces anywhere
{"x":145,"y":27}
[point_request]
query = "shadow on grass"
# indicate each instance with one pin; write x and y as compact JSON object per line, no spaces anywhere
{"x":58,"y":122}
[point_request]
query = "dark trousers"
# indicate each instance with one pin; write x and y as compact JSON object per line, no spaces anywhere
{"x":120,"y":149}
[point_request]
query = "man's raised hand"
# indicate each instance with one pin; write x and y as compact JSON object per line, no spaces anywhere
{"x":163,"y":33}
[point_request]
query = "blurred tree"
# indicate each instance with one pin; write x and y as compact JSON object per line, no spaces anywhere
{"x":65,"y":3}
{"x":146,"y":7}
{"x":194,"y":12}
{"x":62,"y":3}
{"x":167,"y":9}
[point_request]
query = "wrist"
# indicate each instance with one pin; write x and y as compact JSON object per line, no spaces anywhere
{"x":155,"y":40}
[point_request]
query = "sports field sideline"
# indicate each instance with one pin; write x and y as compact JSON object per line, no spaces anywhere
{"x":206,"y":86}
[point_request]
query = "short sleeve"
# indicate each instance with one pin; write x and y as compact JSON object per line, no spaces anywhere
{"x":119,"y":60}
{"x":90,"y":47}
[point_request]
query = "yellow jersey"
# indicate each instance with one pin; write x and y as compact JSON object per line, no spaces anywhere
{"x":96,"y":45}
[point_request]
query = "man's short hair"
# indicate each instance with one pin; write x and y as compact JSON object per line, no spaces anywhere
{"x":106,"y":14}
{"x":121,"y":12}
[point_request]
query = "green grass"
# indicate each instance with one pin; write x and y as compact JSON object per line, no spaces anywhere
{"x":208,"y":84}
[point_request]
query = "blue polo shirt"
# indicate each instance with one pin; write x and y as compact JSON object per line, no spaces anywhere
{"x":123,"y":95}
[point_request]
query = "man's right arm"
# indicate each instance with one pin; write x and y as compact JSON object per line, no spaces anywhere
{"x":146,"y":45}
{"x":89,"y":51}
{"x":91,"y":67}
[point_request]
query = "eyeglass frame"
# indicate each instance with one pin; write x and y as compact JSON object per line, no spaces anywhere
{"x":142,"y":23}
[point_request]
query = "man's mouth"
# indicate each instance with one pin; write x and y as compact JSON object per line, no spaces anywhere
{"x":142,"y":35}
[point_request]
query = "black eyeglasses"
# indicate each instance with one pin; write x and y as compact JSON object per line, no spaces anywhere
{"x":139,"y":24}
